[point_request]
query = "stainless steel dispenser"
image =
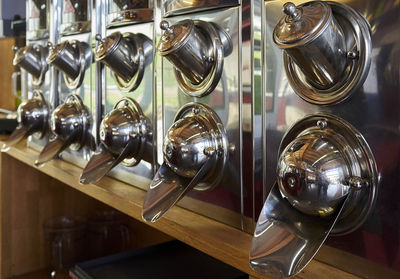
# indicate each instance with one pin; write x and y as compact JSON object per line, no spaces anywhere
{"x":202,"y":87}
{"x":127,"y":146}
{"x":34,"y":111}
{"x":331,"y":135}
{"x":72,"y":122}
{"x":326,"y":182}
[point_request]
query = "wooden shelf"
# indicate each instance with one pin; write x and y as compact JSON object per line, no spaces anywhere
{"x":223,"y":242}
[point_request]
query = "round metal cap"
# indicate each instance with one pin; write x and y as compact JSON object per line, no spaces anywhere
{"x":33,"y":113}
{"x":174,"y":36}
{"x":122,"y":125}
{"x":301,"y":23}
{"x":107,"y":45}
{"x":323,"y":161}
{"x":313,"y":173}
{"x":20,"y":54}
{"x":71,"y":117}
{"x":56,"y":50}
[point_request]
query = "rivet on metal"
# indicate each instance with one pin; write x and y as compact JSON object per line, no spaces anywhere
{"x":322,"y":124}
{"x":196,"y":110}
{"x":291,"y":182}
{"x":352,"y":54}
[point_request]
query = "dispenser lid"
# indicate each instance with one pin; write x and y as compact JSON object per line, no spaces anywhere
{"x":107,"y":45}
{"x":174,"y":36}
{"x":301,"y":23}
{"x":20,"y":54}
{"x":55,"y":50}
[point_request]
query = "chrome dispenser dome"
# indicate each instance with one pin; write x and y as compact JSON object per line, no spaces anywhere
{"x":313,"y":172}
{"x":70,"y":125}
{"x":124,"y":134}
{"x":33,"y":115}
{"x":186,"y":145}
{"x":326,"y":183}
{"x":125,"y":124}
{"x":195,"y":153}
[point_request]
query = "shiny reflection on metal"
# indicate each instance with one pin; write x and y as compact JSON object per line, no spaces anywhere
{"x":32,"y":58}
{"x":72,"y":58}
{"x":326,"y":182}
{"x":196,"y":49}
{"x":126,"y":55}
{"x":310,"y":35}
{"x":77,"y":27}
{"x":167,"y":188}
{"x":175,"y":7}
{"x":325,"y":67}
{"x":129,"y":17}
{"x":70,"y":125}
{"x":123,"y":134}
{"x":33,"y":117}
{"x":195,"y":153}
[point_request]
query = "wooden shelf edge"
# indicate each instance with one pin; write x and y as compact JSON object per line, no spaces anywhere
{"x":218,"y":240}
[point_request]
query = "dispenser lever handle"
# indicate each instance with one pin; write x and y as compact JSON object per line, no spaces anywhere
{"x":101,"y":163}
{"x":167,"y":188}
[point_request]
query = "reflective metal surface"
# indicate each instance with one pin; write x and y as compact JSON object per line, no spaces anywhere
{"x":141,"y":90}
{"x":33,"y":117}
{"x":224,"y":202}
{"x":121,"y":12}
{"x":325,"y":170}
{"x":72,"y":58}
{"x":197,"y":50}
{"x":326,"y":60}
{"x":195,"y":153}
{"x":32,"y":58}
{"x":76,"y":16}
{"x":372,"y":250}
{"x":126,"y":55}
{"x":124,"y":133}
{"x":176,"y":7}
{"x":70,"y":124}
{"x":324,"y":39}
{"x":37,"y":19}
{"x":82,"y":86}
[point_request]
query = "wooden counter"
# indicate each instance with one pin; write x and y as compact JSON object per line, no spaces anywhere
{"x":225,"y":243}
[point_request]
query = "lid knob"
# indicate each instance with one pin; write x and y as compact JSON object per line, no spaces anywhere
{"x":164,"y":25}
{"x":292,"y":11}
{"x":98,"y":38}
{"x":50,"y":45}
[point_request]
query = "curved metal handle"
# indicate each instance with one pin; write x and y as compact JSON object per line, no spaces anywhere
{"x":14,"y":84}
{"x":53,"y":148}
{"x":285,"y":240}
{"x":101,"y":163}
{"x":19,"y":133}
{"x":167,"y":188}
